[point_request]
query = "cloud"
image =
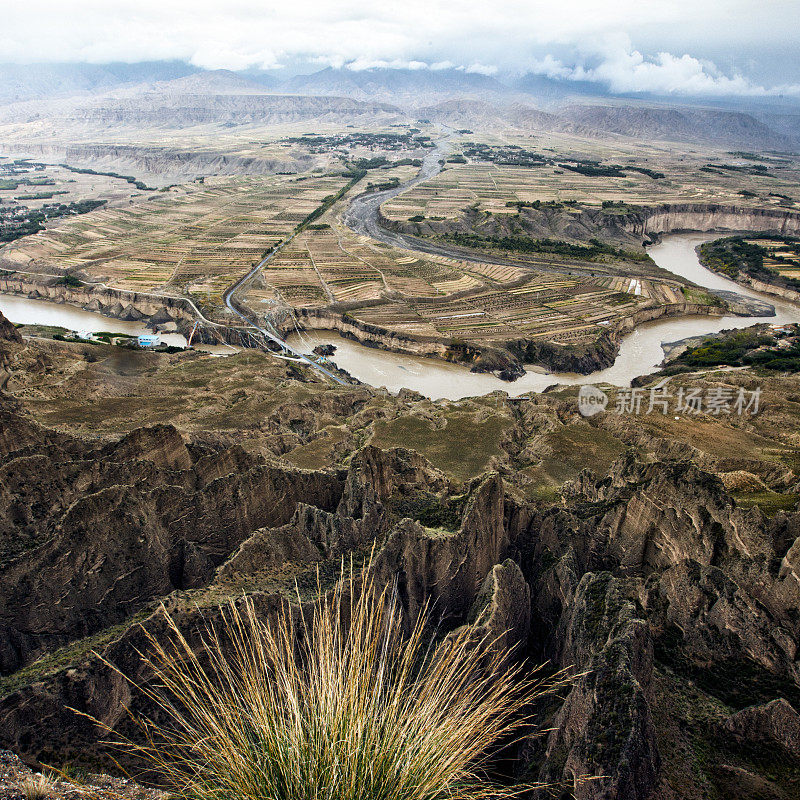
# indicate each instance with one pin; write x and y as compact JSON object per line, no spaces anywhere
{"x":360,"y":64}
{"x":676,"y":41}
{"x":551,"y":67}
{"x":625,"y":70}
{"x":481,"y":69}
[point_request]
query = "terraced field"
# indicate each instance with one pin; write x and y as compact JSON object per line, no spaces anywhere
{"x":542,"y":307}
{"x":691,"y":176}
{"x":196,"y":238}
{"x":199,"y":237}
{"x":783,"y":257}
{"x":440,"y":298}
{"x":51,"y":183}
{"x":330,"y":264}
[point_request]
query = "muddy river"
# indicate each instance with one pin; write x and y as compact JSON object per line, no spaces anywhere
{"x":640,"y":351}
{"x":21,"y":310}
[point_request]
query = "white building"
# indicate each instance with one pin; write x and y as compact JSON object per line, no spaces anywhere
{"x":149,"y":340}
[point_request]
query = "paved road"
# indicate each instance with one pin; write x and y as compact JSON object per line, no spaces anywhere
{"x":361,"y":216}
{"x":296,"y":355}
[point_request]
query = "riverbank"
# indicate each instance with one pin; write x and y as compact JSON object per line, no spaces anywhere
{"x":165,"y":314}
{"x":424,"y":367}
{"x":740,"y":259}
{"x":22,"y":310}
{"x":175,"y":315}
{"x":639,"y":352}
{"x":507,"y":359}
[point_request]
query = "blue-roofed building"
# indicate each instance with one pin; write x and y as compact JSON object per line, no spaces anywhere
{"x":149,"y":339}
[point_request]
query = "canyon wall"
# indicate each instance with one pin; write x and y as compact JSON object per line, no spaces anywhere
{"x":501,"y":356}
{"x":161,"y":312}
{"x":620,"y":226}
{"x":672,"y":217}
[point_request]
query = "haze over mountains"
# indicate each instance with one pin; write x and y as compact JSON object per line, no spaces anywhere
{"x":20,"y":82}
{"x":175,"y":95}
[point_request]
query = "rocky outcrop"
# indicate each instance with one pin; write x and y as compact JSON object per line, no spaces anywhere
{"x":648,"y":569}
{"x":37,"y":719}
{"x":711,"y":217}
{"x":653,"y":564}
{"x":583,"y":359}
{"x":605,"y":726}
{"x":773,"y":724}
{"x":501,"y":613}
{"x":443,"y":569}
{"x":92,"y":535}
{"x":8,"y":334}
{"x":162,"y":445}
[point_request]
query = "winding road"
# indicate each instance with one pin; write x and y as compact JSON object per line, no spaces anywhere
{"x":296,"y":355}
{"x":362,"y":217}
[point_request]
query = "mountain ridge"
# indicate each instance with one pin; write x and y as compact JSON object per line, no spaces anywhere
{"x":174,"y":94}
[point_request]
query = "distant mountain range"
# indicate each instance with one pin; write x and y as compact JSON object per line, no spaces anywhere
{"x":679,"y":124}
{"x":405,"y":87}
{"x":174,"y":95}
{"x":486,"y":116}
{"x":21,"y":82}
{"x":219,"y":81}
{"x":685,"y":124}
{"x":179,"y":110}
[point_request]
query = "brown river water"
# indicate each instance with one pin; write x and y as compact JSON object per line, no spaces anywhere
{"x":640,"y":351}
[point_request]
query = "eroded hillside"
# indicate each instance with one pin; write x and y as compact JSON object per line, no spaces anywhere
{"x":658,"y":556}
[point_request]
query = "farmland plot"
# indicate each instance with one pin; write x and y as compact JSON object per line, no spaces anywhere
{"x":196,"y":239}
{"x":692,"y":176}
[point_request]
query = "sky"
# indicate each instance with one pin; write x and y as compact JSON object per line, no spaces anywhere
{"x":689,"y":47}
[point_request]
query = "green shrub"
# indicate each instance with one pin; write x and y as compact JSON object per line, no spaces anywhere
{"x":331,"y":701}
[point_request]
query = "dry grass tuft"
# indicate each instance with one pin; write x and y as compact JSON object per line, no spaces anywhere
{"x":38,"y":787}
{"x":333,"y":703}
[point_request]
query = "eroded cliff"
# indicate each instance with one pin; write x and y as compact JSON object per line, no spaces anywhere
{"x":647,"y":574}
